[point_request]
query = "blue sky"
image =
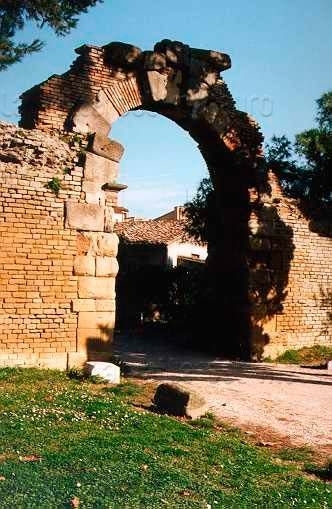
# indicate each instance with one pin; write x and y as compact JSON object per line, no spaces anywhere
{"x":281,"y":63}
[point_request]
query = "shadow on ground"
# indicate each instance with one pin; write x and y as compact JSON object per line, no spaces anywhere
{"x":161,"y":359}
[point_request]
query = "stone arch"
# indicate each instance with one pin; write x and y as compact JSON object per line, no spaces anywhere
{"x":183,"y":84}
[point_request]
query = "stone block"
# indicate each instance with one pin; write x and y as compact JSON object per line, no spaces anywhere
{"x":76,"y":359}
{"x":154,"y":61}
{"x":106,"y":370}
{"x":102,"y":320}
{"x":53,"y":361}
{"x":199,"y":93}
{"x":104,"y":147}
{"x":106,"y":110}
{"x":90,"y":186}
{"x":158,"y":85}
{"x":84,"y":336}
{"x":93,"y":192}
{"x":108,"y":244}
{"x":105,"y":305}
{"x":106,"y":266}
{"x":219,"y":61}
{"x":85,"y":265}
{"x":84,"y":216}
{"x":109,"y":219}
{"x":88,"y":120}
{"x":90,"y":287}
{"x":122,"y":54}
{"x":174,"y":90}
{"x":97,"y":198}
{"x":173,"y":399}
{"x":100,"y":169}
{"x":84,"y":305}
{"x":101,"y":244}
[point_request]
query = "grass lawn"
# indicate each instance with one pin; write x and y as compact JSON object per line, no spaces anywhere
{"x":66,"y":440}
{"x":314,"y":354}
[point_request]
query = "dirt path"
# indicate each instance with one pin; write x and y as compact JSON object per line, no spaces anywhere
{"x":282,"y":401}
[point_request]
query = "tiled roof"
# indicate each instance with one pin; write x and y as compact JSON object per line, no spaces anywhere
{"x":153,"y":232}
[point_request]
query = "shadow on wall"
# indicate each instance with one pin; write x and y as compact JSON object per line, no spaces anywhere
{"x":100,"y":348}
{"x":324,"y":301}
{"x":270,"y":255}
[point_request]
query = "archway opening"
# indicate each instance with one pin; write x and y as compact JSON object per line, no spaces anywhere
{"x":161,"y":268}
{"x":182,"y":84}
{"x":161,"y":164}
{"x":222,"y":304}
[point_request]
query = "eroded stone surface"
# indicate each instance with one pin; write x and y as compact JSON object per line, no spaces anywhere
{"x":104,"y":147}
{"x":85,"y":265}
{"x":90,"y":287}
{"x":84,"y":216}
{"x":88,"y":120}
{"x":106,"y":266}
{"x":174,"y":399}
{"x":99,"y":169}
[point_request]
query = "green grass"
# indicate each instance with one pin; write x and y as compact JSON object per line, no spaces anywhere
{"x":312,"y":354}
{"x":90,"y":443}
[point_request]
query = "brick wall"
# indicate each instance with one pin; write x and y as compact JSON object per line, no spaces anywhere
{"x":36,"y":260}
{"x":103,"y":84}
{"x":58,"y":259}
{"x":306,"y":317}
{"x":57,"y":262}
{"x":51,"y":104}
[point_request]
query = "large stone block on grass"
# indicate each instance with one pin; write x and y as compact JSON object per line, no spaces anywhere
{"x":173,"y":399}
{"x":106,"y":370}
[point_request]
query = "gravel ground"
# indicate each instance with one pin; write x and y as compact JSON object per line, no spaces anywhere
{"x":279,"y":400}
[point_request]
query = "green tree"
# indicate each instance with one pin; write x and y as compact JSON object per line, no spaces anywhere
{"x":200,"y":211}
{"x":60,"y":15}
{"x":305,"y":167}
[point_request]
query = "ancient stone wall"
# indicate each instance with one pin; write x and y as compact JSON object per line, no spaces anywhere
{"x":58,"y":258}
{"x":58,"y":253}
{"x":51,"y":104}
{"x":306,"y":316}
{"x":297,"y":273}
{"x":67,"y":231}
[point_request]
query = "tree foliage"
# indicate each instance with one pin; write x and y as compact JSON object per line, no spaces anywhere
{"x":200,"y":211}
{"x":60,"y":15}
{"x":305,"y":167}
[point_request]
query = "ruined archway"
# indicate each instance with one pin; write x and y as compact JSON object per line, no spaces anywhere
{"x":184,"y":85}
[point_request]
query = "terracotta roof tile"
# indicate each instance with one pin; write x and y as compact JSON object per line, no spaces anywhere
{"x":153,"y":232}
